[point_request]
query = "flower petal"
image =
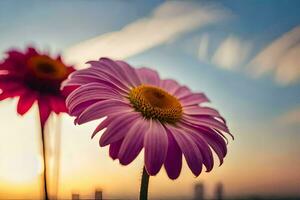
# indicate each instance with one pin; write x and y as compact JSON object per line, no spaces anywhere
{"x":189,"y":149}
{"x":133,"y":142}
{"x":76,"y":111}
{"x":109,"y":70}
{"x":118,"y":128}
{"x":182,"y":91}
{"x":148,"y":76}
{"x":57,"y":104}
{"x":173,"y":162}
{"x":169,"y":85}
{"x":130,"y":72}
{"x":206,"y":152}
{"x":122,"y":70}
{"x":202,"y":112}
{"x":193,"y":99}
{"x":156,"y":147}
{"x":90,"y":91}
{"x":206,"y":121}
{"x":114,"y":149}
{"x":44,"y":109}
{"x":102,"y":109}
{"x":212,"y":137}
{"x":9,"y":89}
{"x":109,"y":119}
{"x":25,"y":102}
{"x":94,"y":74}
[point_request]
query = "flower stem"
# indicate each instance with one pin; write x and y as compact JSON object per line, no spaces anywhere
{"x":144,"y":185}
{"x":45,"y":162}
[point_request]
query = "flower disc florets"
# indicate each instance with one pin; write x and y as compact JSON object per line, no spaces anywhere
{"x":155,"y":103}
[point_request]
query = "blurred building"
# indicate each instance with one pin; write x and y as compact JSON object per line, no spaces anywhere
{"x":98,"y":195}
{"x":75,"y":197}
{"x":219,"y":190}
{"x":199,"y":191}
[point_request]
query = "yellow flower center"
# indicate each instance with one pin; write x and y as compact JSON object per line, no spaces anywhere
{"x":46,"y":68}
{"x":155,"y":103}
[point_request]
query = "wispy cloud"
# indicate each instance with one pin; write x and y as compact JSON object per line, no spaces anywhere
{"x":231,"y":53}
{"x":168,"y":21}
{"x":203,"y":47}
{"x":280,"y":57}
{"x":291,"y":117}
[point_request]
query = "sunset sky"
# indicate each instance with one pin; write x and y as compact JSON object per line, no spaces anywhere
{"x":243,"y":54}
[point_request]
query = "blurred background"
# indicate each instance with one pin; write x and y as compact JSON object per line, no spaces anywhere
{"x":245,"y":55}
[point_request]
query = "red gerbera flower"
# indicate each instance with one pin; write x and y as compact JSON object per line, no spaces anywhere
{"x":34,"y":76}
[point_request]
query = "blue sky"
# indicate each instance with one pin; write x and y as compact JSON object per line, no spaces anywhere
{"x":233,"y":57}
{"x":55,"y":25}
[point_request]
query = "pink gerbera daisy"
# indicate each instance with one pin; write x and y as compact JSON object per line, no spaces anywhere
{"x":33,"y":76}
{"x":144,"y":111}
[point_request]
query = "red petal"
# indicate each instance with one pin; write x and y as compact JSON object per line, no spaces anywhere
{"x":57,"y":104}
{"x":25,"y":102}
{"x":44,"y":110}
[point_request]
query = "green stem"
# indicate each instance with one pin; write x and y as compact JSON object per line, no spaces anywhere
{"x":45,"y":162}
{"x":144,"y":185}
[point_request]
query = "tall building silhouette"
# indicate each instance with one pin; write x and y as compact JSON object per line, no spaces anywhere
{"x":219,"y":191}
{"x":75,"y":197}
{"x":199,"y":191}
{"x":98,"y":195}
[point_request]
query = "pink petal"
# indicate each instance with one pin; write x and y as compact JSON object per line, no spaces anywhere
{"x":103,"y":124}
{"x":120,"y":69}
{"x":79,"y":80}
{"x":206,"y":122}
{"x":203,"y":147}
{"x":76,"y":111}
{"x":133,"y":142}
{"x":90,"y":91}
{"x":148,"y":76}
{"x":102,"y":109}
{"x":212,"y":138}
{"x":118,"y":128}
{"x":202,"y":112}
{"x":113,"y":68}
{"x":169,"y":85}
{"x":130,"y":73}
{"x":189,"y":149}
{"x":93,"y":74}
{"x":114,"y":149}
{"x":109,"y":119}
{"x":156,"y":147}
{"x":197,"y":110}
{"x":182,"y":91}
{"x":206,"y":153}
{"x":111,"y":72}
{"x":173,"y":162}
{"x":193,"y":99}
{"x":217,"y":147}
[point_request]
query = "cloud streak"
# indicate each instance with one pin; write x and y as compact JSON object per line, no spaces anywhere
{"x":281,"y":57}
{"x":203,"y":47}
{"x":231,"y":53}
{"x":168,"y":21}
